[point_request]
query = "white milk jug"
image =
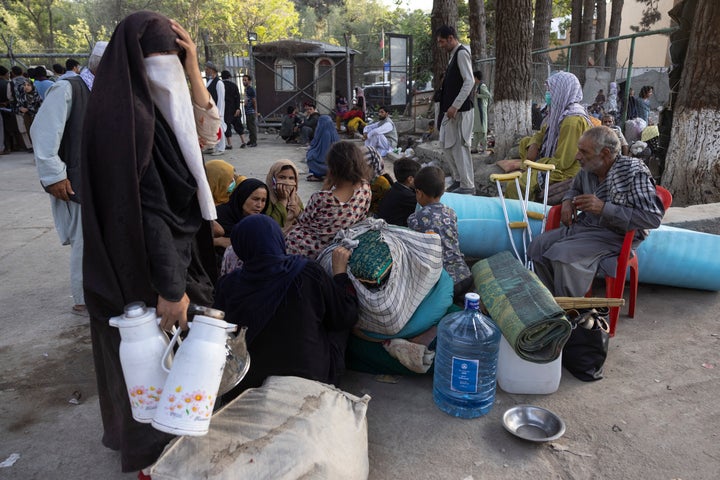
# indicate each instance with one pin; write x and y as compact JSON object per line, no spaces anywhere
{"x":142,"y":346}
{"x":190,"y":391}
{"x":516,"y":375}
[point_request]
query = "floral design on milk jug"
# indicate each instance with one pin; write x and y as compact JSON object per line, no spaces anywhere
{"x":144,"y":397}
{"x":196,"y":405}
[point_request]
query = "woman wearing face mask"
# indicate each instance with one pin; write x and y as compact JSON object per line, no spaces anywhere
{"x":223,"y":180}
{"x":556,"y":142}
{"x":147,"y":204}
{"x":284,"y":204}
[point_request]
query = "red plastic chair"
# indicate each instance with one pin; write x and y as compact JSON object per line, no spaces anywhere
{"x":627,"y":258}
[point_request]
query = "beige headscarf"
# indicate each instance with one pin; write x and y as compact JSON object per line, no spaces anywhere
{"x":294,"y":206}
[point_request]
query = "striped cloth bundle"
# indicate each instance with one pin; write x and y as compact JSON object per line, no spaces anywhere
{"x":417,"y":265}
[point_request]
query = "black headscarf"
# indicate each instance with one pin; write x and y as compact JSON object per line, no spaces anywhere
{"x":250,"y":296}
{"x":231,"y":212}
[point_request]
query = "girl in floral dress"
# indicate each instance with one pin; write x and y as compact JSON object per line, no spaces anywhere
{"x":343,"y":201}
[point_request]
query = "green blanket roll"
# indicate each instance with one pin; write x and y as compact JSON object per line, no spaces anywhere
{"x":524,"y":309}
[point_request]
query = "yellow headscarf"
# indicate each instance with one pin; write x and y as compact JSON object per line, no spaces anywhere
{"x":220,"y":176}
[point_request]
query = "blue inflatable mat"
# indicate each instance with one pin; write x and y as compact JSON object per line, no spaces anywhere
{"x":669,"y":256}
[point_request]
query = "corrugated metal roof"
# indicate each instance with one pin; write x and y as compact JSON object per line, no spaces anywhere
{"x":300,"y":48}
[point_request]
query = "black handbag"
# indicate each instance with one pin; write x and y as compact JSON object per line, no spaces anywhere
{"x":585,"y":351}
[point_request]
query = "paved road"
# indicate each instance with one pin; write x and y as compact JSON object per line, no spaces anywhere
{"x":652,"y":417}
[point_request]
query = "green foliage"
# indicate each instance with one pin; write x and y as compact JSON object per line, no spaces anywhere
{"x":319,"y":7}
{"x":650,"y":15}
{"x":220,"y":27}
{"x":417,"y":24}
{"x":561,"y":8}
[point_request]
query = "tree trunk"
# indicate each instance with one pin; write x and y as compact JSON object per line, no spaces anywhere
{"x":586,"y":34}
{"x":575,"y":32}
{"x":444,"y":12}
{"x":513,"y":35}
{"x":611,"y":50}
{"x":478,"y":33}
{"x":541,"y":40}
{"x":599,"y":55}
{"x":693,"y":160}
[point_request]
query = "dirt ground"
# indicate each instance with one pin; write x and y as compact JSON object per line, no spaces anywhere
{"x":653,"y":416}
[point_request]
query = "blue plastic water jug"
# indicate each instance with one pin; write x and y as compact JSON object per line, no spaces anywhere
{"x":466,"y":361}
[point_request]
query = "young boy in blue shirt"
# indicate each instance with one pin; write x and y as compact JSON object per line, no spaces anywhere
{"x":437,"y":218}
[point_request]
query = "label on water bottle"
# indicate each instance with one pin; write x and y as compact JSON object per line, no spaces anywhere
{"x":464,"y":377}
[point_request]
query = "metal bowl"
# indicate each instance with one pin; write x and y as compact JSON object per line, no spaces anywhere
{"x":535,"y":424}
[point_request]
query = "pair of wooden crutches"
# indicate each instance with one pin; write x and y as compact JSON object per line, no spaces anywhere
{"x":524,"y":224}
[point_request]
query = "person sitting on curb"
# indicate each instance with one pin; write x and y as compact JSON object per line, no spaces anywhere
{"x":325,"y":136}
{"x":609,"y":121}
{"x":290,"y":125}
{"x":307,"y":129}
{"x":556,"y":142}
{"x":381,"y":134}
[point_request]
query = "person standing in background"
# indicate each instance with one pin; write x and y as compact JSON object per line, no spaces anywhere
{"x":72,"y":68}
{"x":232,"y":109}
{"x":250,"y":110}
{"x":217,"y":91}
{"x":57,"y":131}
{"x":480,"y":122}
{"x":4,"y":105}
{"x":456,"y":111}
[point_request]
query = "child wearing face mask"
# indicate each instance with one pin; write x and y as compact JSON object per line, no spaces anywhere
{"x":284,"y":204}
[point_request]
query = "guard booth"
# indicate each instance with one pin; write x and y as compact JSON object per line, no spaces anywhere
{"x":292,"y":72}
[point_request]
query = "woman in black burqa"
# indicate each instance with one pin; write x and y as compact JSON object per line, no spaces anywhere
{"x":298,"y":316}
{"x":146,"y":205}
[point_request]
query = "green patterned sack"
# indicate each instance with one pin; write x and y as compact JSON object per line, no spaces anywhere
{"x":371,"y":260}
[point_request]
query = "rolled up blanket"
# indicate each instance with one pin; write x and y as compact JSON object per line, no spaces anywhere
{"x":524,"y":309}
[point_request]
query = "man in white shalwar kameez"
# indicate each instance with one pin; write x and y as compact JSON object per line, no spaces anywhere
{"x":381,"y":135}
{"x":216,"y":87}
{"x":456,"y":114}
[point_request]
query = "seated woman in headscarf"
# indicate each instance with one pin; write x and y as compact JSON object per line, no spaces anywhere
{"x":298,"y":317}
{"x":325,"y":137}
{"x":343,"y":201}
{"x":248,"y":198}
{"x":284,"y":204}
{"x":380,"y":183}
{"x":222,"y":179}
{"x":557,"y":141}
{"x":146,"y":204}
{"x":355,"y":118}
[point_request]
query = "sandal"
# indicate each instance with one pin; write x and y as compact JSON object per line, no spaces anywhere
{"x":79,"y":309}
{"x":313,"y":178}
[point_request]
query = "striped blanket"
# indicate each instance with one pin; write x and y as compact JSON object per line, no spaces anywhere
{"x":524,"y":309}
{"x":417,"y":265}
